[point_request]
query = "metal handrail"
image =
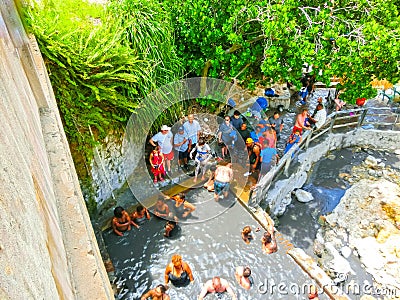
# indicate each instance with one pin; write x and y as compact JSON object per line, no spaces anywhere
{"x":361,"y":113}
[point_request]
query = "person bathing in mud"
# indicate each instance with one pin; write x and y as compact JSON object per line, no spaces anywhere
{"x":182,"y":208}
{"x":121,"y":221}
{"x":161,"y":209}
{"x":178,"y":272}
{"x":158,"y":293}
{"x":140,"y":216}
{"x":243,"y":277}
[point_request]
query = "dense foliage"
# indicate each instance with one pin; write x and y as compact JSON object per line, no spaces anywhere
{"x":103,"y":60}
{"x":271,"y":40}
{"x":101,"y":63}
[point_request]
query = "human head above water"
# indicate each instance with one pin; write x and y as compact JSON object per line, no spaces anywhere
{"x":246,"y":272}
{"x":118,"y":211}
{"x":216,"y":282}
{"x":139,"y":208}
{"x":176,"y":260}
{"x":161,"y":288}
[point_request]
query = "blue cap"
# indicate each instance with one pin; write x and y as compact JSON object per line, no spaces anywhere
{"x":181,"y":129}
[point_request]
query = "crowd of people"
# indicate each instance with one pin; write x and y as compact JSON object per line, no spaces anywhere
{"x":188,"y":144}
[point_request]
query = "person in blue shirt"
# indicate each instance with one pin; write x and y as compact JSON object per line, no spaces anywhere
{"x":255,"y":135}
{"x":181,"y":144}
{"x":269,"y":157}
{"x":294,"y":138}
{"x":236,"y":120}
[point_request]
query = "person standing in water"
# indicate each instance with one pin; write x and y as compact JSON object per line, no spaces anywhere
{"x":178,"y":272}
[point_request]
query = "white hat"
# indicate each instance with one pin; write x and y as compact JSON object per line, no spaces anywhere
{"x":165,"y":127}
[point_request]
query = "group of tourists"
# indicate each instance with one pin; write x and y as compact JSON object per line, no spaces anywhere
{"x":179,"y":274}
{"x":306,"y":121}
{"x":185,"y":142}
{"x":122,"y":221}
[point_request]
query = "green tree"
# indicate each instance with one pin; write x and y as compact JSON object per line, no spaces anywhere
{"x":354,"y":40}
{"x":101,"y":62}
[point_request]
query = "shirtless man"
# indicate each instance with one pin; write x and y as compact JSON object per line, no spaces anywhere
{"x":158,"y":293}
{"x":216,"y":285}
{"x":243,"y":277}
{"x":121,"y":221}
{"x":139,"y":216}
{"x":222,"y":179}
{"x":301,"y":122}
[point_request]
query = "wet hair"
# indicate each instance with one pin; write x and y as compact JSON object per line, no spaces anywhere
{"x":216,"y":280}
{"x":267,"y":237}
{"x":236,"y":113}
{"x":246,"y":272}
{"x":162,"y":287}
{"x":276,"y":113}
{"x":246,"y":229}
{"x":118,"y":211}
{"x":139,"y":208}
{"x":320,"y":105}
{"x":227,"y":117}
{"x":213,"y":168}
{"x":266,"y":142}
{"x":201,"y":142}
{"x":181,"y":195}
{"x":176,"y":258}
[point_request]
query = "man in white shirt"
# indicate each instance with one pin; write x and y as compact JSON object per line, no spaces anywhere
{"x":164,"y":140}
{"x":192,"y":129}
{"x":319,"y":118}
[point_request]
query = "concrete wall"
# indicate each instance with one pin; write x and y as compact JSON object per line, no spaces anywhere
{"x":47,"y":246}
{"x":278,"y":196}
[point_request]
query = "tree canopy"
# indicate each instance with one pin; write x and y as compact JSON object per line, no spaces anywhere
{"x":356,"y":41}
{"x":103,"y":59}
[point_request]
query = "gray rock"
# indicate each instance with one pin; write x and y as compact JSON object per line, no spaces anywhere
{"x":345,"y":251}
{"x":303,"y":196}
{"x":371,"y":161}
{"x":381,"y":165}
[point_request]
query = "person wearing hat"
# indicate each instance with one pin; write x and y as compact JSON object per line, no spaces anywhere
{"x":181,"y":144}
{"x":253,"y":150}
{"x":164,"y":140}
